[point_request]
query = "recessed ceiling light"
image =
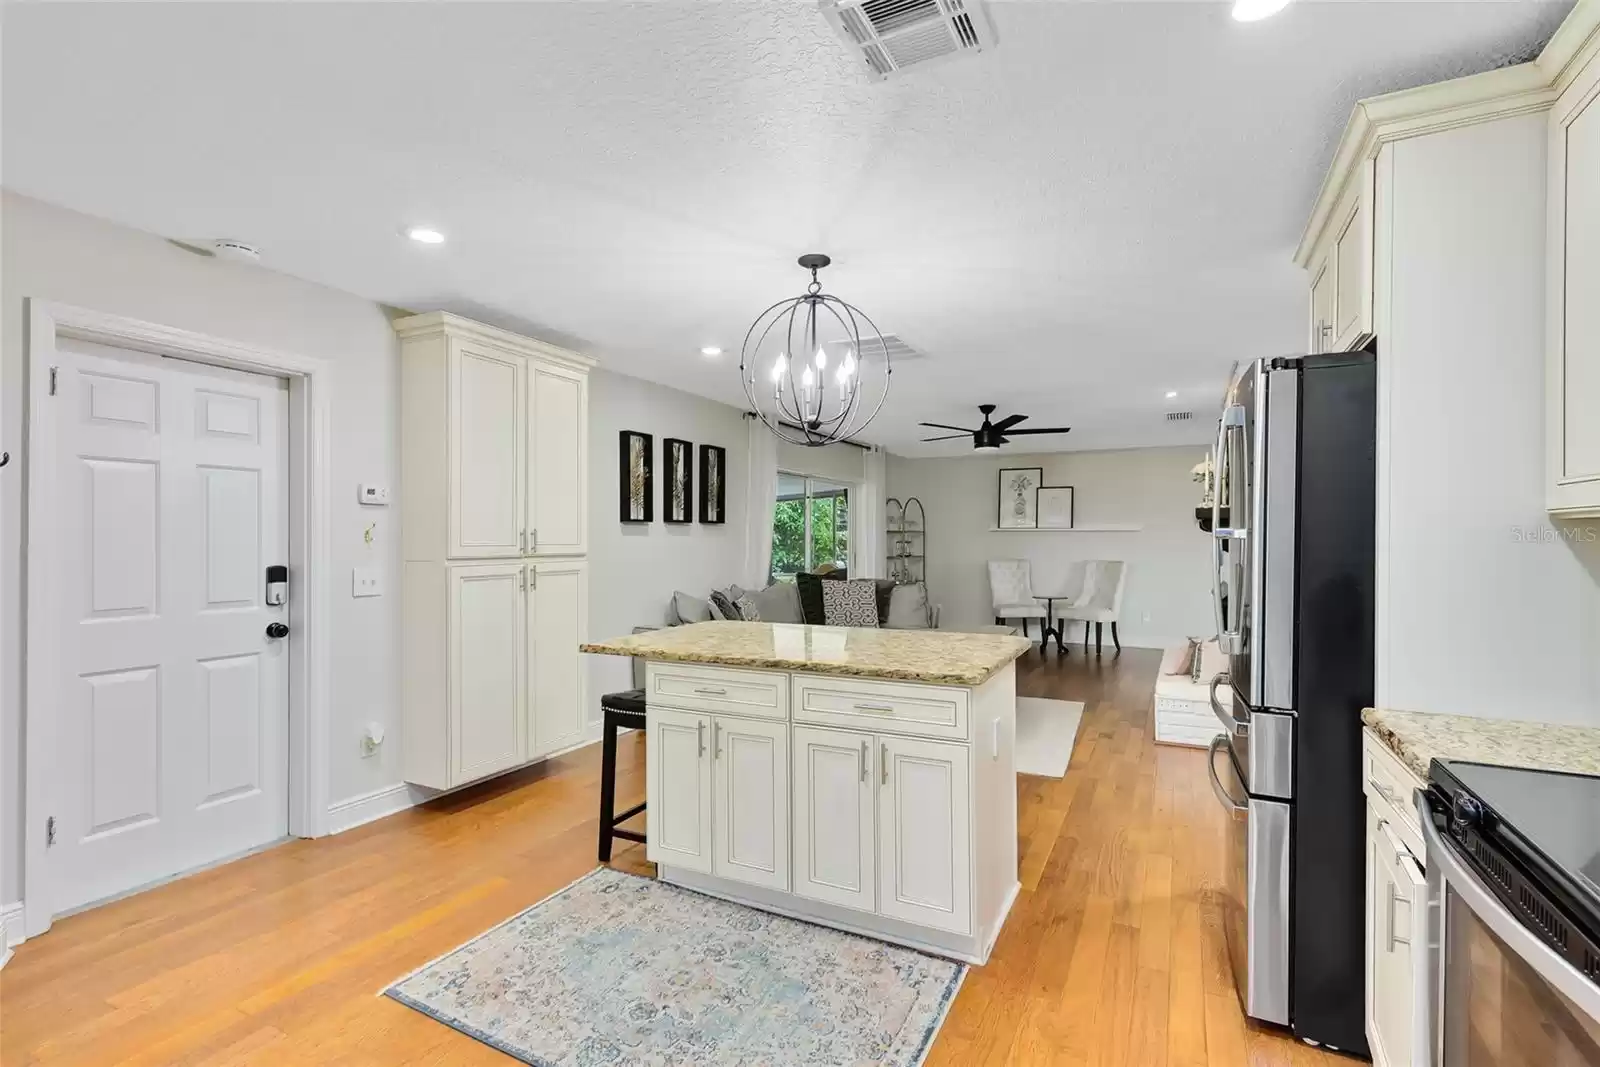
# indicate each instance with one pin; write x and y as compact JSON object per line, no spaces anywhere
{"x":711,"y":350}
{"x":1254,"y":10}
{"x":425,"y":236}
{"x":1172,"y":394}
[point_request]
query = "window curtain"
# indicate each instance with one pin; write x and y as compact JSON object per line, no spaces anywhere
{"x":869,"y":523}
{"x":761,"y":495}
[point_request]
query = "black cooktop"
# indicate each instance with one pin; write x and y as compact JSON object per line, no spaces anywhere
{"x":1545,"y":823}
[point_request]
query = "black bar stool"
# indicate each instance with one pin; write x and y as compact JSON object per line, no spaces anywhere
{"x":624,"y":710}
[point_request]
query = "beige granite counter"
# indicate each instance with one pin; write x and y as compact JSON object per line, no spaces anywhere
{"x":1417,"y":738}
{"x":936,"y":657}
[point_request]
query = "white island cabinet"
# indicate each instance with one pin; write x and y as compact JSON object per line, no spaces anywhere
{"x":862,"y":779}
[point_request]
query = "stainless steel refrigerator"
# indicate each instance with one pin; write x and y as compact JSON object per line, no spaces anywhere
{"x":1294,"y":536}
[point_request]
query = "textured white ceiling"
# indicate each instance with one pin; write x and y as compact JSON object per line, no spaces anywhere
{"x":1099,"y":211}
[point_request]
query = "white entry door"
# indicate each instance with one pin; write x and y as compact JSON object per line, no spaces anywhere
{"x":171,"y":727}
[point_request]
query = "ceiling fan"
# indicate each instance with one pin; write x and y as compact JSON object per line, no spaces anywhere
{"x":991,"y":436}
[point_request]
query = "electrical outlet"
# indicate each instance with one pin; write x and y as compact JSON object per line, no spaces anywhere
{"x":366,"y":581}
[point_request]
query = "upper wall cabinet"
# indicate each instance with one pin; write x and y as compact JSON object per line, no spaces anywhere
{"x":1572,"y":375}
{"x":1339,"y":266}
{"x":493,"y":443}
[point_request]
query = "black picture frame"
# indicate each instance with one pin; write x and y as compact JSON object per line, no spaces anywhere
{"x":713,"y":485}
{"x":1072,"y":506}
{"x":1031,"y":494}
{"x":677,"y":482}
{"x":635,"y":477}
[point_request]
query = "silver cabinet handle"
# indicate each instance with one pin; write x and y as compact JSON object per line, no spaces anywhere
{"x":712,"y":692}
{"x":1216,"y":783}
{"x":1383,"y":791}
{"x":1394,"y":898}
{"x":522,"y":541}
{"x":533,"y":540}
{"x":716,"y":738}
{"x":700,"y":735}
{"x":884,"y":755}
{"x":886,"y":709}
{"x":863,"y":761}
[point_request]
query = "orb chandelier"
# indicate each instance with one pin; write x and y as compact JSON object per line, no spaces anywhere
{"x":815,"y":369}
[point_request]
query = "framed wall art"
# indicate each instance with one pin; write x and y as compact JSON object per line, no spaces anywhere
{"x":1055,"y":507}
{"x":1019,"y":498}
{"x":636,"y":483}
{"x":713,"y":485}
{"x":677,"y":487}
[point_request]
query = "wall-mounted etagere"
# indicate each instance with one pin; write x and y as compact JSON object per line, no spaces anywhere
{"x":907,"y":540}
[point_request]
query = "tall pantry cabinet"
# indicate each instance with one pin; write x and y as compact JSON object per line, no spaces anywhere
{"x":495,"y":588}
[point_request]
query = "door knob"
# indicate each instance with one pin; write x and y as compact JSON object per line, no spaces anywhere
{"x":276,"y":630}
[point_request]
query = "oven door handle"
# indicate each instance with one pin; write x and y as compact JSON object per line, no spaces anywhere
{"x":1220,"y":741}
{"x":1458,"y":878}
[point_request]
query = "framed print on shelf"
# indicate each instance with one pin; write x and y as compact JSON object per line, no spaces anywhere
{"x":636,"y":481}
{"x":677,"y":488}
{"x":1055,"y":507}
{"x":713,"y":485}
{"x":1019,"y":498}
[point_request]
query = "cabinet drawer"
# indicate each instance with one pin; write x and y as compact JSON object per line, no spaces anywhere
{"x":921,"y":710}
{"x":718,"y":689}
{"x":1389,"y":785}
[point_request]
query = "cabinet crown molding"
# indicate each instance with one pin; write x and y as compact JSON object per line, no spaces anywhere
{"x":1495,"y":94}
{"x":443,"y":322}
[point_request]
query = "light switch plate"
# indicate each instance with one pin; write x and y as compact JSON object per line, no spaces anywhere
{"x":366,"y":581}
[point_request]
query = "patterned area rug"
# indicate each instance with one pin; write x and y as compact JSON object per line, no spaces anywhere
{"x":616,"y":970}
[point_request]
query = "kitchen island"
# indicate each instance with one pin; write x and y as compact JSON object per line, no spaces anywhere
{"x":864,"y":779}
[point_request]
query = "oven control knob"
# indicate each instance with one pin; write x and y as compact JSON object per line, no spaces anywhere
{"x":1469,"y":812}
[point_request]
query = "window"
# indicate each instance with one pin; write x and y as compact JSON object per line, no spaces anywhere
{"x":810,"y":526}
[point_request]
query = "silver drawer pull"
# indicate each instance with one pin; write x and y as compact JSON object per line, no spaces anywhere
{"x":700,"y":734}
{"x":887,"y":709}
{"x":884,"y":755}
{"x":712,"y":692}
{"x":1383,"y":791}
{"x":864,"y":758}
{"x":1395,"y":898}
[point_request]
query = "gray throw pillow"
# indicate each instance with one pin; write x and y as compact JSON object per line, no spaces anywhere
{"x":908,"y":608}
{"x":850,"y":603}
{"x":778,"y":602}
{"x":723,"y":606}
{"x":687,"y":608}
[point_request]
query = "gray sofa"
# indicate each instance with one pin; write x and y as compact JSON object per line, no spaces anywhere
{"x":909,"y":607}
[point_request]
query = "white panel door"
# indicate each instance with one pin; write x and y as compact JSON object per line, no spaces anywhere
{"x":486,"y":452}
{"x":558,"y":621}
{"x":835,"y":811}
{"x":1397,"y":1022}
{"x":558,"y":440}
{"x":169,"y":502}
{"x":924,"y":833}
{"x":750,"y":806}
{"x":488,"y":696}
{"x":678,"y":789}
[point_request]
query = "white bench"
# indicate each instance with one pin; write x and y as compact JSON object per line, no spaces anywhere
{"x":1183,"y":708}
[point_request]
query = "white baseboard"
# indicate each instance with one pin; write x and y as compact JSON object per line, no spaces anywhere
{"x":11,"y":930}
{"x":357,"y":811}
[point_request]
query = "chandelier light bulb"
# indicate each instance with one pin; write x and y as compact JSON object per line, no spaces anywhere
{"x":808,"y":380}
{"x":822,"y":360}
{"x":849,"y":366}
{"x":780,"y":367}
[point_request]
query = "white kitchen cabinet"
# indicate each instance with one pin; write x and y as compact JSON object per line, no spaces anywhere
{"x":1572,"y":377}
{"x":487,"y":681}
{"x":835,"y":817}
{"x":494,"y":432}
{"x":558,"y":609}
{"x":750,"y":807}
{"x":558,"y":462}
{"x":924,"y":833}
{"x":678,"y":789}
{"x":1340,"y":269}
{"x":1397,"y":985}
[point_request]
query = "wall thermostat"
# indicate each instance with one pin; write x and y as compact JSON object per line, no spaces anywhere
{"x":375,"y":496}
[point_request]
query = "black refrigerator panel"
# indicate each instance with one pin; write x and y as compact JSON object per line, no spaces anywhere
{"x":1335,"y":632}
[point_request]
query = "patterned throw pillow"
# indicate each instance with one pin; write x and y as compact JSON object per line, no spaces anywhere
{"x":748,"y":612}
{"x":851,"y":603}
{"x":723,"y":606}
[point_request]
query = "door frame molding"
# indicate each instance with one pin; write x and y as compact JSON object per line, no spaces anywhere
{"x":310,"y":556}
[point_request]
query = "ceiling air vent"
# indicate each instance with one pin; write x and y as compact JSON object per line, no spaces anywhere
{"x":896,"y":347}
{"x":1179,"y":416}
{"x":895,"y":34}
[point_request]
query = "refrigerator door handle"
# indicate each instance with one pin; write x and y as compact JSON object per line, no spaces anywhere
{"x":1231,"y":724}
{"x":1233,"y":419}
{"x":1218,"y":742}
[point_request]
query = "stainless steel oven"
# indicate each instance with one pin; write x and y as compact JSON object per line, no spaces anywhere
{"x":1503,"y":995}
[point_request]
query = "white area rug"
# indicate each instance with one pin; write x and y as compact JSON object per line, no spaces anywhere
{"x":1045,"y":732}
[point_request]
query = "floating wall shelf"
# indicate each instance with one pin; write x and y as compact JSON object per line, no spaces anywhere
{"x":1087,"y":527}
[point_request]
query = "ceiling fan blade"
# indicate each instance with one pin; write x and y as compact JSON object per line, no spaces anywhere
{"x":945,"y":426}
{"x":1043,"y":429}
{"x":1009,"y":421}
{"x":947,"y":437}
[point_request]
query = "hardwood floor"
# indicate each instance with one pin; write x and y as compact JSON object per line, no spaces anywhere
{"x":1112,"y":955}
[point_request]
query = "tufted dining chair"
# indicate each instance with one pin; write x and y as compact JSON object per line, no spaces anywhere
{"x":1011,"y":589}
{"x":1097,"y":586}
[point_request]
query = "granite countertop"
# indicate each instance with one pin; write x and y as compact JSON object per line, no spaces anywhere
{"x":938,"y":657}
{"x":1417,"y":738}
